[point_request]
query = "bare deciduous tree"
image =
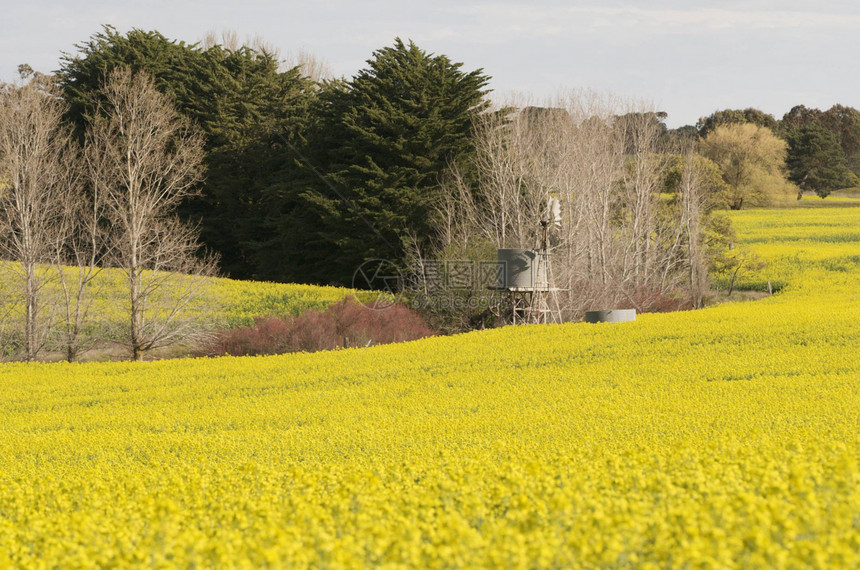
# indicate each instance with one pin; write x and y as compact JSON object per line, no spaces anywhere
{"x":35,"y":171}
{"x":693,"y":204}
{"x":641,"y":182}
{"x":228,"y":39}
{"x":619,"y":242}
{"x":149,"y":160}
{"x":80,"y":252}
{"x":311,"y":66}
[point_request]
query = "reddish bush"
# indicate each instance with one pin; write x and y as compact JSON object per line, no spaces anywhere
{"x":344,"y":324}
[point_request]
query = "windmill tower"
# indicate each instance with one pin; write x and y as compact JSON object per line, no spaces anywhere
{"x":526,"y":277}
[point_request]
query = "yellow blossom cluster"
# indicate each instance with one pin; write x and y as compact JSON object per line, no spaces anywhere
{"x":722,"y":438}
{"x":217,"y":302}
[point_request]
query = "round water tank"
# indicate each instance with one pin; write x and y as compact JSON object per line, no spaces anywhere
{"x":521,"y":269}
{"x":610,"y":316}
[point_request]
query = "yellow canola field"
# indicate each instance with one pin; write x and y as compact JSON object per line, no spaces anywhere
{"x":721,"y":438}
{"x":238,"y":303}
{"x":224,"y":302}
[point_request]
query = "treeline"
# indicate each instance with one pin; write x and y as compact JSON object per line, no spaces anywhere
{"x":823,"y":147}
{"x":306,"y":177}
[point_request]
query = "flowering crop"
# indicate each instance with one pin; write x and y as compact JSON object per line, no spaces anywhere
{"x":720,"y":438}
{"x":218,"y":304}
{"x":240,"y":302}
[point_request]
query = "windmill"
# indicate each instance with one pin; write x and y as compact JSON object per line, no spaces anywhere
{"x":545,"y":304}
{"x":526,"y":276}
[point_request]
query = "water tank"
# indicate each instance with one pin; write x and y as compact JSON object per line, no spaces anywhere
{"x":522,"y":269}
{"x":610,"y":316}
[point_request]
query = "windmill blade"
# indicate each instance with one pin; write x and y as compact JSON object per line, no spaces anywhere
{"x":553,"y":211}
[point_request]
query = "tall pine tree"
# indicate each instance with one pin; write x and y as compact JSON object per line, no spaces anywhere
{"x":815,"y":160}
{"x":241,"y":100}
{"x":375,"y":156}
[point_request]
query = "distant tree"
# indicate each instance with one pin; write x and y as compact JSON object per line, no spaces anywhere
{"x":693,"y":207}
{"x":310,"y":65}
{"x":697,"y":188}
{"x":37,"y":169}
{"x":844,"y":123}
{"x":708,"y":124}
{"x":633,"y":122}
{"x":229,"y":40}
{"x":752,"y":160}
{"x":711,"y":188}
{"x":150,"y":161}
{"x":242,"y":101}
{"x":816,"y":161}
{"x":680,"y":138}
{"x":798,"y":117}
{"x":376,"y":153}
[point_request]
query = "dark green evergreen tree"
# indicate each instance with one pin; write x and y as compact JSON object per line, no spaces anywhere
{"x":246,"y":106}
{"x":175,"y":66}
{"x":252,"y":114}
{"x":815,"y":160}
{"x":844,"y":122}
{"x":798,"y":117}
{"x":677,"y":138}
{"x":735,"y":116}
{"x":378,"y":147}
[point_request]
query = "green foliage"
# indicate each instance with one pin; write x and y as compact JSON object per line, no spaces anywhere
{"x":727,"y":261}
{"x":246,"y":106}
{"x":303,"y":181}
{"x":798,"y":117}
{"x":255,"y":118}
{"x":678,"y":138}
{"x":175,"y":67}
{"x":714,"y":187}
{"x":815,"y":160}
{"x":377,"y":147}
{"x":752,"y":160}
{"x":708,"y":124}
{"x":843,"y":122}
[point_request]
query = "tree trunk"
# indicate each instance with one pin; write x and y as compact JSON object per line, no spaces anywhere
{"x":31,"y":313}
{"x":134,"y":292}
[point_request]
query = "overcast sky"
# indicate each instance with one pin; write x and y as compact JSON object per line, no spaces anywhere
{"x":688,"y":57}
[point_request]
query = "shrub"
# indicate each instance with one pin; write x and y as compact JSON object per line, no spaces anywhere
{"x":343,"y":324}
